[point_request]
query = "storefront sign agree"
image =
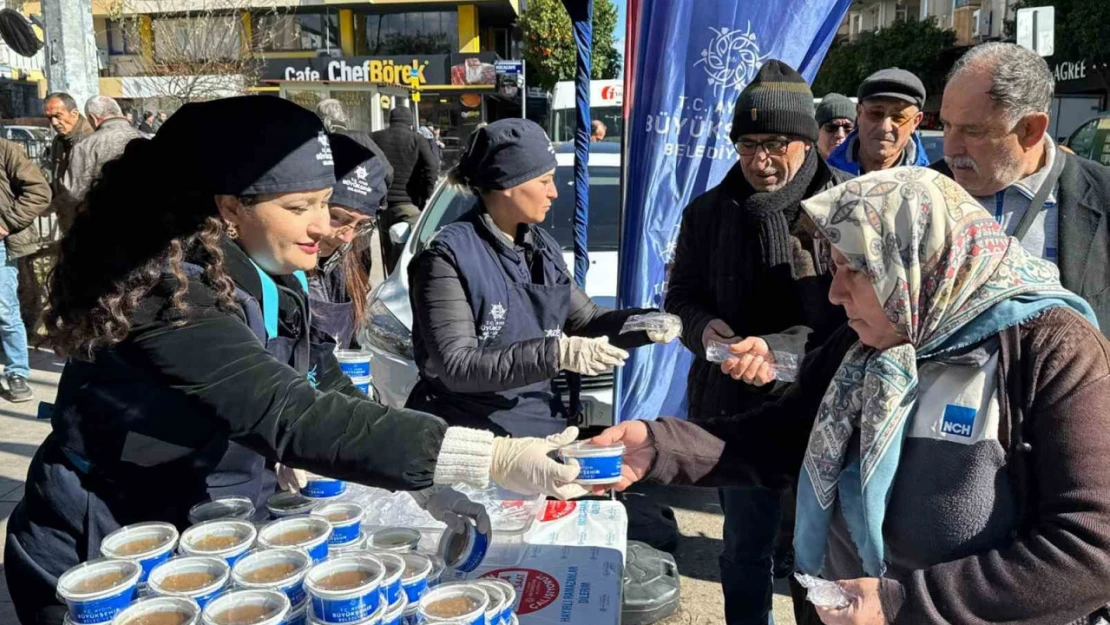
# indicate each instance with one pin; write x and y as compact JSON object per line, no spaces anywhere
{"x":374,"y":71}
{"x":1070,"y":70}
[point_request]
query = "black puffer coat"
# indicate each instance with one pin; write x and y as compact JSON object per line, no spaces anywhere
{"x":719,"y":273}
{"x":415,"y":168}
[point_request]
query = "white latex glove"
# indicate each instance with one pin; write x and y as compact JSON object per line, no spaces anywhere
{"x":449,"y":506}
{"x":290,"y":479}
{"x":525,"y":465}
{"x":589,"y":356}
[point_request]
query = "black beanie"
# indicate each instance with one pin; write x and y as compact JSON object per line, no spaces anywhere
{"x":777,"y":101}
{"x":359,"y":176}
{"x":248,"y":145}
{"x":835,"y":106}
{"x":507,"y":153}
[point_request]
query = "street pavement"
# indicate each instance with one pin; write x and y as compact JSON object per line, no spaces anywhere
{"x":696,"y":509}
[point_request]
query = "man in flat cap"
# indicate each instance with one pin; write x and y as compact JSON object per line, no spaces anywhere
{"x":887,"y":117}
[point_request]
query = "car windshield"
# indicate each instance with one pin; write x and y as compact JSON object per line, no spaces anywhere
{"x":934,"y":147}
{"x":604,"y":226}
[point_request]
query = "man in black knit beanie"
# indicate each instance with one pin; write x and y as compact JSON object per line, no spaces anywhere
{"x":748,"y":273}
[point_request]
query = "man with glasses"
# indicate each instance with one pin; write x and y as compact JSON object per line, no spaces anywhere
{"x":887,"y":117}
{"x":836,"y":119}
{"x":996,"y":145}
{"x":748,"y":273}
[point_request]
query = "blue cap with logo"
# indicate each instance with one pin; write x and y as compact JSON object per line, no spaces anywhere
{"x":507,"y":153}
{"x":360,"y":176}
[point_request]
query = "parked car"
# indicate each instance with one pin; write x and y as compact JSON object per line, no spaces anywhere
{"x":1092,"y":139}
{"x":934,"y":144}
{"x":389,"y":332}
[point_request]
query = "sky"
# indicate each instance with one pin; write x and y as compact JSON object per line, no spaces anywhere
{"x":618,"y":30}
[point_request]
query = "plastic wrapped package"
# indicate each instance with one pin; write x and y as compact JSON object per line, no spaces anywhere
{"x":823,"y":593}
{"x":784,"y":364}
{"x":653,"y":322}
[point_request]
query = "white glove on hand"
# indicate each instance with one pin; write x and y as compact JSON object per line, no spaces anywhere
{"x":523,"y":465}
{"x":589,"y":356}
{"x":290,"y":479}
{"x":449,"y":506}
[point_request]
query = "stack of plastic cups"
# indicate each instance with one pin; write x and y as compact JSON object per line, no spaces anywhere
{"x":346,"y":589}
{"x":356,"y":365}
{"x":196,"y":578}
{"x":95,"y":592}
{"x":502,"y":600}
{"x":149,"y":544}
{"x":277,"y":569}
{"x":346,"y":523}
{"x":462,"y":602}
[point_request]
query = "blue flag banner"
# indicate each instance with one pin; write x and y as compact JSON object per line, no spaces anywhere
{"x":690,"y":60}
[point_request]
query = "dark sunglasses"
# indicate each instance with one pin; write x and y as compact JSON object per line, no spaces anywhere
{"x":833,"y":128}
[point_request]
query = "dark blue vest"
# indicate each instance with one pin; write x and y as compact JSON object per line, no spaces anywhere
{"x":511,"y":301}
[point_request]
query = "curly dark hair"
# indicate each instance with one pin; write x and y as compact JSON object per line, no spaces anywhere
{"x":130,"y":231}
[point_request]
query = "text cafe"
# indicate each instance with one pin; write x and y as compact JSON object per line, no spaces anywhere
{"x":452,"y":92}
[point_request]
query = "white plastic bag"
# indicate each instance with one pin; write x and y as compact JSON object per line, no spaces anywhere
{"x":784,"y":365}
{"x":653,"y":322}
{"x":823,"y":593}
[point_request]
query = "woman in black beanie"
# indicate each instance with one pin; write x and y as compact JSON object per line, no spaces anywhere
{"x":496,"y":315}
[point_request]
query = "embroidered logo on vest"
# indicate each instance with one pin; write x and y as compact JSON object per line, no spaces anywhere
{"x":492,"y":326}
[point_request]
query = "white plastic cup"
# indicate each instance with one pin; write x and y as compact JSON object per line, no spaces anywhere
{"x":192,"y":539}
{"x":474,"y":594}
{"x":414,"y":579}
{"x":274,"y":535}
{"x":496,"y":602}
{"x":267,"y":607}
{"x":598,"y":464}
{"x":354,"y":363}
{"x":237,"y":508}
{"x":349,"y":605}
{"x":465,"y":548}
{"x":214,"y":567}
{"x":363,"y":384}
{"x":509,"y":591}
{"x":285,"y":504}
{"x":395,"y":613}
{"x":291,"y":584}
{"x":391,"y":582}
{"x":358,"y":544}
{"x":146,"y":610}
{"x":93,"y":606}
{"x":120,"y":545}
{"x":346,"y":527}
{"x":394,"y":539}
{"x":298,"y":615}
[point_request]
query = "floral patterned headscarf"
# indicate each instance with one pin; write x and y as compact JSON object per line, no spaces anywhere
{"x":948,"y":277}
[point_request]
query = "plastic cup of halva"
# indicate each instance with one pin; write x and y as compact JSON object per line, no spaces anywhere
{"x":237,"y":508}
{"x":281,"y":569}
{"x":461,"y":602}
{"x":395,"y":613}
{"x":149,"y":544}
{"x":197,"y":578}
{"x":298,"y":615}
{"x":414,"y":579}
{"x":359,"y":544}
{"x":227,"y":539}
{"x":598,"y":464}
{"x":346,"y":521}
{"x":159,"y":611}
{"x":346,"y":589}
{"x":394,"y":539}
{"x":319,"y":487}
{"x":463,"y":548}
{"x":97,"y":590}
{"x":249,"y":606}
{"x":285,"y":504}
{"x":391,"y":582}
{"x":509,"y":591}
{"x":307,"y":532}
{"x":496,"y":602}
{"x":354,"y":363}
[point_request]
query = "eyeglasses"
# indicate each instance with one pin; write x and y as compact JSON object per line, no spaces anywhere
{"x":900,"y":118}
{"x":773,"y":147}
{"x":833,"y":128}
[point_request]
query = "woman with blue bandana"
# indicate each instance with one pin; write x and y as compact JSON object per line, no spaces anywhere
{"x":192,"y":366}
{"x":496,"y":314}
{"x":951,"y":441}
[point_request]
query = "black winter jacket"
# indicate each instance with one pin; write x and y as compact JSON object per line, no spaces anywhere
{"x":791,"y":315}
{"x":415,"y":168}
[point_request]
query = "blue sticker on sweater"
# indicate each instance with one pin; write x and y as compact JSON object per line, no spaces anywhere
{"x":958,"y":421}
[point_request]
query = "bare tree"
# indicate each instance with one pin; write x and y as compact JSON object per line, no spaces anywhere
{"x":202,"y":49}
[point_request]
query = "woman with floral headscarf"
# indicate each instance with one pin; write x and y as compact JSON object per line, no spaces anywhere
{"x":950,"y":442}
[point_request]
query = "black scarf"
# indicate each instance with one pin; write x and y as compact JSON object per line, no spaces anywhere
{"x":775,"y":213}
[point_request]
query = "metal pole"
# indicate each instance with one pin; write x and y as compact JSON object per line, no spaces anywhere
{"x":70,"y":54}
{"x":524,"y":89}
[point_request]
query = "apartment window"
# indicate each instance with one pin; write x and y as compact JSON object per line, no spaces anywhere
{"x":416,"y":32}
{"x":501,"y":42}
{"x":194,"y":39}
{"x":123,"y":37}
{"x":901,"y":13}
{"x":296,"y":32}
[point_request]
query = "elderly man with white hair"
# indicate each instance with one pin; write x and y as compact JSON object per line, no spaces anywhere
{"x":113,"y":133}
{"x":995,"y":116}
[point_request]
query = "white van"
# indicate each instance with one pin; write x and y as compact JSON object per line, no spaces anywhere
{"x":606,"y":104}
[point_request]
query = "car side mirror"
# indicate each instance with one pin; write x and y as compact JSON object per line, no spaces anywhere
{"x":399,"y":233}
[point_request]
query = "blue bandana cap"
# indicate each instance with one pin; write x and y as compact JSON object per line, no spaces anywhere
{"x":507,"y":153}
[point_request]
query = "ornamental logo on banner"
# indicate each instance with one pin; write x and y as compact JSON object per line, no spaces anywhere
{"x":732,"y":58}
